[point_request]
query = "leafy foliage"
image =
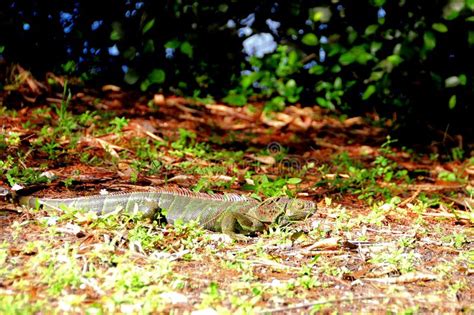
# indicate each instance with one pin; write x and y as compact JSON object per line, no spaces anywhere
{"x":340,"y":54}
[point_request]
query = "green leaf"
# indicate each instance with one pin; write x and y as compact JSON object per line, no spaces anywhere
{"x":368,"y":92}
{"x":318,"y":70}
{"x":470,"y":38}
{"x":374,"y":47}
{"x":223,"y":7}
{"x":336,"y":68}
{"x":376,"y":75}
{"x":173,"y":44}
{"x":324,"y":103}
{"x":130,"y":53}
{"x":352,"y":36}
{"x":451,"y":10}
{"x":186,"y":49}
{"x":333,"y":49}
{"x":470,"y":4}
{"x":117,"y":32}
{"x":310,"y":39}
{"x":290,"y":84}
{"x":69,"y":67}
{"x":293,"y":58}
{"x":277,"y":103}
{"x":247,"y":80}
{"x":148,"y":26}
{"x":395,"y":60}
{"x":338,"y":83}
{"x":452,"y":102}
{"x":294,"y":98}
{"x":440,"y":27}
{"x":149,"y":46}
{"x":131,"y":77}
{"x":157,"y":76}
{"x":347,"y":58}
{"x":235,"y":99}
{"x":377,"y":3}
{"x":293,"y":181}
{"x":144,"y":85}
{"x":429,"y":40}
{"x":321,"y":14}
{"x":371,"y":29}
{"x":363,"y":57}
{"x":462,"y":79}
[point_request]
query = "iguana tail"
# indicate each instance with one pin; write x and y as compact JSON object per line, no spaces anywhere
{"x":144,"y":202}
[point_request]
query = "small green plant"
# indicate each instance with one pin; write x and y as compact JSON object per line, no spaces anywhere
{"x":331,"y":94}
{"x":262,"y":184}
{"x":187,"y":145}
{"x":458,"y":240}
{"x":117,"y":124}
{"x":52,"y":149}
{"x":17,"y":174}
{"x":145,"y":236}
{"x":205,"y":184}
{"x":12,"y":139}
{"x":213,"y":295}
{"x":364,"y":181}
{"x":87,"y":118}
{"x":68,"y":181}
{"x":449,"y":176}
{"x":457,"y":154}
{"x":66,"y":122}
{"x":400,"y":259}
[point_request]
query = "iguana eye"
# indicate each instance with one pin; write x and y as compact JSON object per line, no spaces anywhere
{"x":300,"y":204}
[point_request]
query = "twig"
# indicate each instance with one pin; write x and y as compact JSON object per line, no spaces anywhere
{"x":226,"y":110}
{"x":466,"y":202}
{"x":188,"y":109}
{"x":411,"y":198}
{"x":325,"y":144}
{"x":406,"y":278}
{"x":458,"y":215}
{"x":323,"y":252}
{"x":423,"y":187}
{"x":306,"y":305}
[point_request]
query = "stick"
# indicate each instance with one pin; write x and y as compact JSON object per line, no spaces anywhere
{"x":310,"y":304}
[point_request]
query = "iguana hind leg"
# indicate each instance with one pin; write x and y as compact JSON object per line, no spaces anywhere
{"x":148,"y":209}
{"x":235,"y":224}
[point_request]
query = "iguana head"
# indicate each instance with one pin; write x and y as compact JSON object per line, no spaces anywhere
{"x":296,"y":209}
{"x":284,"y":210}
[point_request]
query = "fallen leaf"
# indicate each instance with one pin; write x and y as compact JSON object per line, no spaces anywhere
{"x":159,"y":99}
{"x":111,"y":87}
{"x":269,"y":160}
{"x":327,"y":243}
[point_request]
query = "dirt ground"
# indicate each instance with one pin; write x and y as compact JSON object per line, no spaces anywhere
{"x":377,"y":242}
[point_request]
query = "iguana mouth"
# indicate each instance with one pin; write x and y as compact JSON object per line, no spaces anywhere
{"x":285,"y":219}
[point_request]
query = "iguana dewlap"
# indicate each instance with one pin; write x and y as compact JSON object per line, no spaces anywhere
{"x":231,"y":214}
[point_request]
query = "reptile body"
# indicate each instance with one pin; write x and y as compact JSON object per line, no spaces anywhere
{"x":231,"y":214}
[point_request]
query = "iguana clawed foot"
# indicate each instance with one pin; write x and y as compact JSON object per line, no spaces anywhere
{"x":236,"y":224}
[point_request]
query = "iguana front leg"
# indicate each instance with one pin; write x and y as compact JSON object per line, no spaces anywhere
{"x":233,"y":222}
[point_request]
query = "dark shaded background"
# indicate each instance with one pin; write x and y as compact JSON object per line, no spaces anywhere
{"x":415,"y":54}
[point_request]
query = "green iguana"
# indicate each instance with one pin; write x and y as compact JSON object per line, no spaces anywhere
{"x":231,"y":214}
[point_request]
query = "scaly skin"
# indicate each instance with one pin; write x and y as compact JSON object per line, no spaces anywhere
{"x":230,"y":214}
